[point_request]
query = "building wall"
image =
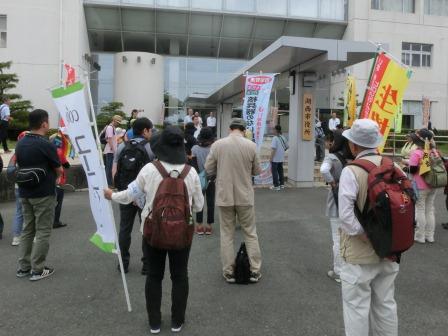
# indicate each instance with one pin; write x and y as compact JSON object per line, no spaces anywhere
{"x":393,"y":28}
{"x":36,"y":46}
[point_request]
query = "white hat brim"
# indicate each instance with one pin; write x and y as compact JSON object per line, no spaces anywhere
{"x":348,"y":135}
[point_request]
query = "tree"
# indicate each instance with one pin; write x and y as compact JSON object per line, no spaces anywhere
{"x":107,"y":112}
{"x":19,"y":108}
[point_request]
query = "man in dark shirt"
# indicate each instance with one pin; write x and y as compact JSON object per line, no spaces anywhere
{"x":142,"y":130}
{"x":34,"y":151}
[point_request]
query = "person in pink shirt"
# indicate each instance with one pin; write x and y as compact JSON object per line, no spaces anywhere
{"x":111,"y":147}
{"x":424,"y":208}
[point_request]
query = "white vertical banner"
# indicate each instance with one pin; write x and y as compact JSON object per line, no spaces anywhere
{"x":72,"y":107}
{"x":256,"y":104}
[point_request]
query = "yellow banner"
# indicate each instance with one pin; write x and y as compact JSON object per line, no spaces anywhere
{"x":351,"y":100}
{"x":425,"y":164}
{"x":386,"y":93}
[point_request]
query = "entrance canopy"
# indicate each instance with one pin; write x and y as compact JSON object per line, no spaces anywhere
{"x":306,"y":55}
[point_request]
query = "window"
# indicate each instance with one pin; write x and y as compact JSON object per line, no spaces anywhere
{"x":2,"y":31}
{"x":436,"y":7}
{"x":404,"y":6}
{"x":412,"y":114}
{"x":416,"y":54}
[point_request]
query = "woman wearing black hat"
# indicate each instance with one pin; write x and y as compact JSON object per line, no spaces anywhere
{"x":200,"y":152}
{"x":424,"y":208}
{"x":169,"y":148}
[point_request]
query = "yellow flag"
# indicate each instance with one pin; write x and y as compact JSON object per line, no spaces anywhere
{"x":384,"y":93}
{"x":425,"y":164}
{"x":351,"y":101}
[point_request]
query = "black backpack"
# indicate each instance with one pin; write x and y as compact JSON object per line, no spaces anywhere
{"x":102,"y":135}
{"x":132,"y":159}
{"x":242,"y":266}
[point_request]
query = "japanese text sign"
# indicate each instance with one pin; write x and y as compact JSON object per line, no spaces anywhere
{"x":256,"y":104}
{"x":72,"y":107}
{"x":307,"y":116}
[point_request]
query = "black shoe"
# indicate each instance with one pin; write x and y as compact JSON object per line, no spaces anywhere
{"x":176,"y":327}
{"x":445,"y":226}
{"x":125,"y":267}
{"x":1,"y":236}
{"x":21,"y":274}
{"x":46,"y":272}
{"x":59,"y":225}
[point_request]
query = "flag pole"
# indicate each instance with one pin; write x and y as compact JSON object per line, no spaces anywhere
{"x":98,"y":144}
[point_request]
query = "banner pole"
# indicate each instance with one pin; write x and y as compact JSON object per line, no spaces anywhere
{"x":367,"y":88}
{"x":117,"y":246}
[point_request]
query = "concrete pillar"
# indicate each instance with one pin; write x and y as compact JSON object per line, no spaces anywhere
{"x":224,"y":115}
{"x":301,"y":152}
{"x":138,"y":83}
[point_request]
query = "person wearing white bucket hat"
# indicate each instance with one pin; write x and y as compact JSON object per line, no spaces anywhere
{"x":367,"y":280}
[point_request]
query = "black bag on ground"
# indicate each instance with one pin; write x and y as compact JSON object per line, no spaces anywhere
{"x":242,"y":266}
{"x":131,"y":160}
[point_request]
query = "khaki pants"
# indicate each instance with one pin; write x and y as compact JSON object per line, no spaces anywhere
{"x":227,"y":220}
{"x":38,"y":216}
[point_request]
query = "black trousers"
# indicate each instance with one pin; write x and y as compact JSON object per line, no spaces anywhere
{"x":210,"y":198}
{"x":277,"y":174}
{"x":179,"y":277}
{"x":58,"y":209}
{"x":127,"y":218}
{"x":4,"y":134}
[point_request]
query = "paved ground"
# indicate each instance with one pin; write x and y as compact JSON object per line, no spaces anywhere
{"x":295,"y":297}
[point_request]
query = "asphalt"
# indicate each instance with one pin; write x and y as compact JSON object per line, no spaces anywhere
{"x":294,"y":297}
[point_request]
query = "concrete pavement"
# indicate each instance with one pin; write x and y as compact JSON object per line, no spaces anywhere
{"x":294,"y":297}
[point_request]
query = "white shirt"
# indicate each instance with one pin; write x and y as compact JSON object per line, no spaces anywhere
{"x":148,"y":181}
{"x":348,"y":193}
{"x":4,"y":112}
{"x":198,"y":130}
{"x":187,"y":119}
{"x":332,"y":123}
{"x":211,"y":121}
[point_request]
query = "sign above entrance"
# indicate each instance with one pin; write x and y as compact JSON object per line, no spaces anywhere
{"x":307,"y":115}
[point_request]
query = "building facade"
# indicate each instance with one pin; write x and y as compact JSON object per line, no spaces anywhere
{"x":204,"y":43}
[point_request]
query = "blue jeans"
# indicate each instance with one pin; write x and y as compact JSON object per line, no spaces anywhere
{"x":108,"y":161}
{"x":18,"y":218}
{"x":277,"y":174}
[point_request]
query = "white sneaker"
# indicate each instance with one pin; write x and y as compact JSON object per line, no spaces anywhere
{"x":274,"y":188}
{"x":15,"y":241}
{"x":331,"y":274}
{"x":282,"y":186}
{"x":430,"y":239}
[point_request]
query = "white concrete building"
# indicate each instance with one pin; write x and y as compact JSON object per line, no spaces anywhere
{"x":37,"y":35}
{"x":417,"y":33}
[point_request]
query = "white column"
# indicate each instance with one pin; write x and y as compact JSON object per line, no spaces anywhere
{"x":223,"y":117}
{"x":301,"y":152}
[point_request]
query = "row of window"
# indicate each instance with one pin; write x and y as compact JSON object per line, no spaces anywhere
{"x":432,"y":7}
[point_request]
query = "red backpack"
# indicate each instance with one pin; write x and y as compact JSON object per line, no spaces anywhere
{"x":388,"y":217}
{"x":168,"y":226}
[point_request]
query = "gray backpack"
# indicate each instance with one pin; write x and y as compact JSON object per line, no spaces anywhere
{"x":437,"y":176}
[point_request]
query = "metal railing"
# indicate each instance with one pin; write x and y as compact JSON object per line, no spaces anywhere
{"x":396,"y":141}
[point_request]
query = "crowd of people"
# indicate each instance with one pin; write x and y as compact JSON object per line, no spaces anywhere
{"x":186,"y":171}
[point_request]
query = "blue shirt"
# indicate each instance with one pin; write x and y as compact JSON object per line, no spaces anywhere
{"x":280,"y":146}
{"x":4,"y":112}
